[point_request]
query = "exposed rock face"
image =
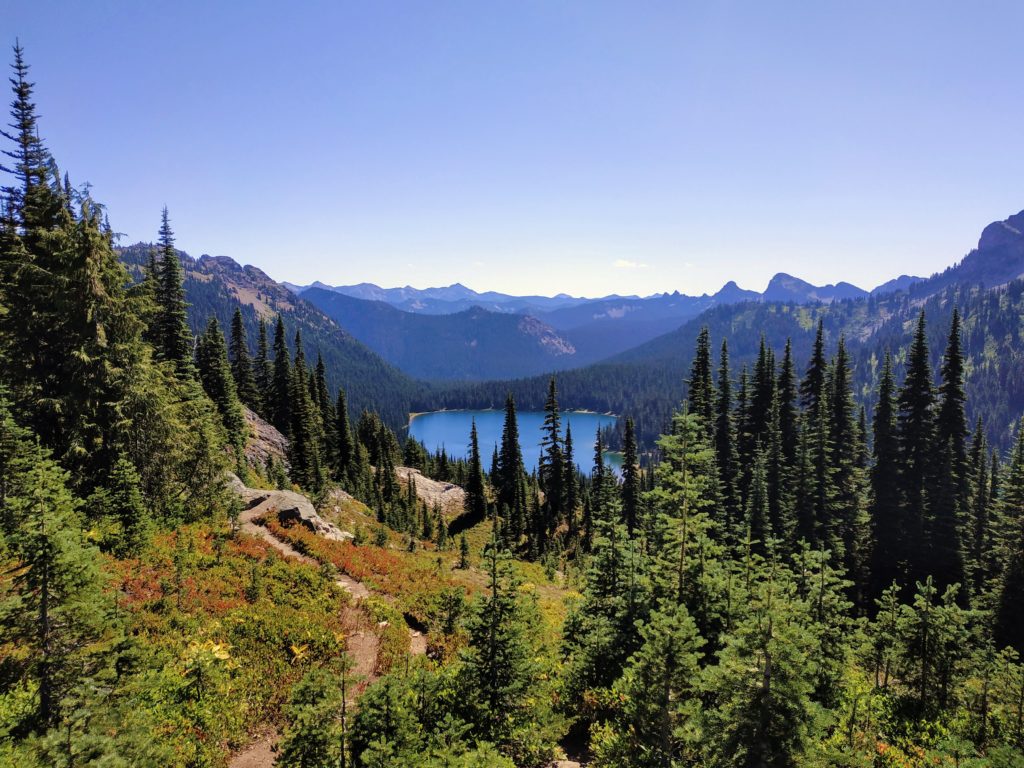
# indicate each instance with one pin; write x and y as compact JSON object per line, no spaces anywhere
{"x":448,"y":496}
{"x":264,"y":440}
{"x":289,"y":507}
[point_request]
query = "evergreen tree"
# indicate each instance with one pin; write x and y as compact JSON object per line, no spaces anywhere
{"x":510,"y":482}
{"x":725,"y":443}
{"x":570,"y":484}
{"x":263,"y":373}
{"x":498,"y":663}
{"x":763,"y":683}
{"x":279,"y":407}
{"x":174,"y":340}
{"x":61,"y":615}
{"x":29,"y":155}
{"x":660,"y":722}
{"x":630,"y":479}
{"x":788,"y":393}
{"x":701,"y":389}
{"x":1010,"y":584}
{"x":303,"y":446}
{"x":215,"y":375}
{"x":345,"y":466}
{"x":242,"y":365}
{"x":916,"y":434}
{"x":890,"y":530}
{"x":552,"y":466}
{"x":813,"y":385}
{"x":476,"y":496}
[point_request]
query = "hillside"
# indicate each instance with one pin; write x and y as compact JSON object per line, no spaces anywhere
{"x":215,"y":285}
{"x":647,"y":381}
{"x":474,"y":344}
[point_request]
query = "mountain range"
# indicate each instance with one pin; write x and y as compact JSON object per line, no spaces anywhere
{"x":623,"y":354}
{"x":455,"y":333}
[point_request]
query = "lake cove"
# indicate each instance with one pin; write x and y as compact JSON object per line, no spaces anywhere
{"x":450,"y":430}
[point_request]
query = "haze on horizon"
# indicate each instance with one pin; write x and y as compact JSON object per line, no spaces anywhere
{"x":584,"y":148}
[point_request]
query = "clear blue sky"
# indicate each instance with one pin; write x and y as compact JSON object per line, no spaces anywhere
{"x":584,"y":147}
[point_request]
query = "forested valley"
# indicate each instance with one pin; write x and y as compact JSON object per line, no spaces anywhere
{"x":819,"y":561}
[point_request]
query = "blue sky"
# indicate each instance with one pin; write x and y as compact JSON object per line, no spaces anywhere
{"x":584,"y":147}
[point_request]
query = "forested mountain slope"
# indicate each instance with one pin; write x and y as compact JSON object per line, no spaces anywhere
{"x":216,"y":285}
{"x":473,"y":344}
{"x":648,"y":381}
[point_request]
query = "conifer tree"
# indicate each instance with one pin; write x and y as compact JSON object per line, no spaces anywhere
{"x":476,"y":497}
{"x":813,"y":384}
{"x":788,"y":393}
{"x":1010,"y":580}
{"x":552,"y":465}
{"x":570,"y":485}
{"x":174,"y":340}
{"x":498,"y":666}
{"x":279,"y":407}
{"x":660,"y":720}
{"x":344,"y":465}
{"x":916,"y":434}
{"x":889,"y":528}
{"x":61,"y":617}
{"x":242,"y":365}
{"x":725,"y":443}
{"x":29,"y":155}
{"x":263,"y":372}
{"x":510,"y":482}
{"x":951,"y":419}
{"x":303,"y":446}
{"x":979,"y":518}
{"x":215,"y":375}
{"x":701,"y":389}
{"x":630,"y":479}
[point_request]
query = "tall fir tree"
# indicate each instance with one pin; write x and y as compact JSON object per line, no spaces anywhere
{"x":263,"y":372}
{"x":242,"y":365}
{"x":701,"y":393}
{"x":215,"y":375}
{"x":475,"y":506}
{"x":725,"y":444}
{"x":630,"y":479}
{"x":280,"y":406}
{"x":552,"y":465}
{"x":890,"y":530}
{"x":174,"y":339}
{"x":916,"y":433}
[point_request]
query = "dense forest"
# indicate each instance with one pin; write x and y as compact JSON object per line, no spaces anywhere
{"x":818,"y":566}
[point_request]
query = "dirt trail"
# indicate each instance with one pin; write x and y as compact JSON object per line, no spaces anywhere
{"x":362,"y":645}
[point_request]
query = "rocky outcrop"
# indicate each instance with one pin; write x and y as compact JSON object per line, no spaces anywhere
{"x":290,"y":507}
{"x":450,"y":497}
{"x":264,"y":440}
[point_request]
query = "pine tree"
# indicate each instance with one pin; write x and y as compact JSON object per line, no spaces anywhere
{"x":174,"y":340}
{"x":789,"y":414}
{"x":263,"y":372}
{"x":510,"y":482}
{"x":1010,"y":582}
{"x":215,"y":375}
{"x":916,"y":434}
{"x":476,"y":498}
{"x":813,"y":384}
{"x":303,"y":446}
{"x":630,"y":479}
{"x":725,"y":444}
{"x":951,"y":421}
{"x":498,"y":666}
{"x":552,"y":466}
{"x":242,"y":365}
{"x":345,"y":465}
{"x":890,"y":530}
{"x":61,"y":616}
{"x":29,"y":155}
{"x":123,"y":501}
{"x":570,"y":485}
{"x":701,"y":389}
{"x":279,"y":407}
{"x":660,"y":722}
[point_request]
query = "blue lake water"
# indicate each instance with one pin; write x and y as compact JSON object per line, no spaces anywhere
{"x":450,"y":430}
